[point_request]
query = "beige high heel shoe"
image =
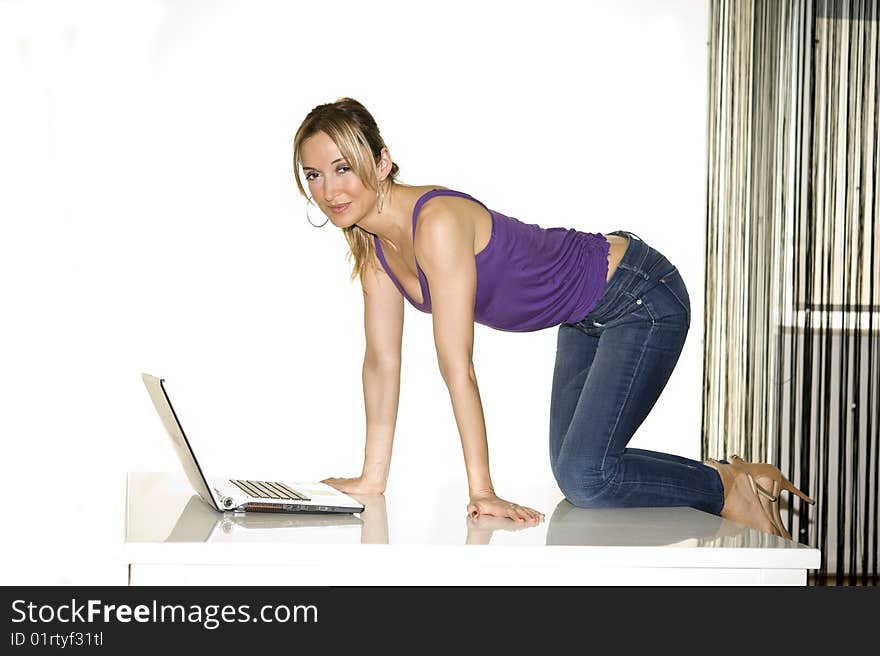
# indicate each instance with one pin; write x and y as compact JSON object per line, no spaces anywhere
{"x":756,"y":490}
{"x":770,"y":497}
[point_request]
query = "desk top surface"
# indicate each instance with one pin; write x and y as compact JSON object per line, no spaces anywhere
{"x":162,"y":511}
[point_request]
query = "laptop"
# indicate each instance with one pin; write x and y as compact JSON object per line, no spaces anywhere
{"x":199,"y":523}
{"x":244,"y":495}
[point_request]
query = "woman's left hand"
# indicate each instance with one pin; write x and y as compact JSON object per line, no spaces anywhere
{"x":357,"y":485}
{"x":488,"y":503}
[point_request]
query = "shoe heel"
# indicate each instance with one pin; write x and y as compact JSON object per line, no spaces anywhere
{"x":788,"y":485}
{"x":782,"y":480}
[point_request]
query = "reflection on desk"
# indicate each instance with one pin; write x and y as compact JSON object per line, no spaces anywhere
{"x":568,"y":525}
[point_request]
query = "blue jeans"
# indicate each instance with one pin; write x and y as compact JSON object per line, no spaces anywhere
{"x":611,"y":367}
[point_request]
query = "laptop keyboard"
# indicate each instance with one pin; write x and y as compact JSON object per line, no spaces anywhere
{"x":268,"y":490}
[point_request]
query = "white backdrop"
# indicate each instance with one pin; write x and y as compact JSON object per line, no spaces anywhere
{"x":149,"y":222}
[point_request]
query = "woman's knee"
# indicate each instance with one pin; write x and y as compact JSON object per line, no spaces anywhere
{"x":582,"y":487}
{"x":581,"y":497}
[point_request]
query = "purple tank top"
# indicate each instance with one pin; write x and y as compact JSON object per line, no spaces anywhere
{"x":528,"y":277}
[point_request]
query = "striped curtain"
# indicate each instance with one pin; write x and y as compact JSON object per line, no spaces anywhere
{"x":792,"y":330}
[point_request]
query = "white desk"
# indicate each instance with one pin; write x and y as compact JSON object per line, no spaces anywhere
{"x":172,"y":537}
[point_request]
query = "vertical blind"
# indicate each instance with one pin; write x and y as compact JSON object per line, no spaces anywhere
{"x":792,"y":330}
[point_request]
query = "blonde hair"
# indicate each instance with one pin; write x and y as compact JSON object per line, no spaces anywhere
{"x":354,"y":131}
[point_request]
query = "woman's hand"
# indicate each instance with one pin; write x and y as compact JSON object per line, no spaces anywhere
{"x":357,"y":485}
{"x":488,"y":503}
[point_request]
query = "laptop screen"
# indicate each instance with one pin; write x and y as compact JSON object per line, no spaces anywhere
{"x":187,"y":458}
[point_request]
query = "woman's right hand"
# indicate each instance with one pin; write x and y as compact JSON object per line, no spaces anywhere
{"x":357,"y":485}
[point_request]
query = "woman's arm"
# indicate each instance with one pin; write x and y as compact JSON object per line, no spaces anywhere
{"x":444,"y":245}
{"x":383,"y":328}
{"x":450,"y":267}
{"x":381,"y":395}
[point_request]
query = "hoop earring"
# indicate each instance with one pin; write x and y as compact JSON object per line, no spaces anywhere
{"x":309,"y":202}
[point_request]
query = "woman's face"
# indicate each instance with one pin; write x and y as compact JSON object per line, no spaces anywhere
{"x":331,"y":181}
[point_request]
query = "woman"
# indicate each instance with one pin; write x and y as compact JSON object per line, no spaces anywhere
{"x":622,"y":310}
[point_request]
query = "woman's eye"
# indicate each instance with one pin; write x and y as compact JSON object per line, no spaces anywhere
{"x":310,"y":176}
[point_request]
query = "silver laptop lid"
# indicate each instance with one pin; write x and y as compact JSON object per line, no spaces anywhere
{"x":187,"y":458}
